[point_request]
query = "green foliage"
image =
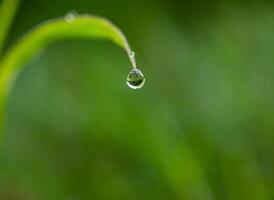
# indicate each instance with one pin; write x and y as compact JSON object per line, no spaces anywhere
{"x":69,"y":27}
{"x":201,"y":129}
{"x":7,"y":13}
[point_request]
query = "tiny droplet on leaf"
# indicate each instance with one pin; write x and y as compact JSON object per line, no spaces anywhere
{"x":70,"y":16}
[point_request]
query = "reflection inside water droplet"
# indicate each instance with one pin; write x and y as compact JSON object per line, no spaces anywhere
{"x":70,"y":17}
{"x":135,"y":79}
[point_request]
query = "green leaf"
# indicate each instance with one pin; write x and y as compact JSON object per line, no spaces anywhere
{"x":8,"y":10}
{"x":82,"y":26}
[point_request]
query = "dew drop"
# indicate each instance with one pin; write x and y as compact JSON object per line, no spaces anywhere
{"x":135,"y":79}
{"x":70,"y":16}
{"x":132,"y":54}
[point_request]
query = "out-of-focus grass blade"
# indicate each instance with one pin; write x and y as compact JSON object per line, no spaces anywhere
{"x":8,"y":10}
{"x":79,"y":26}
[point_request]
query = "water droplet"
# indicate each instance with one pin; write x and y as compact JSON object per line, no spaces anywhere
{"x":132,"y":59}
{"x":132,"y":54}
{"x":70,"y":16}
{"x":135,"y":79}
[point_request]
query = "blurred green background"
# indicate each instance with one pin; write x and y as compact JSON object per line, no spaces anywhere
{"x":200,"y":129}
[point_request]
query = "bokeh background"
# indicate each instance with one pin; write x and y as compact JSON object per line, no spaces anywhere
{"x":200,"y":129}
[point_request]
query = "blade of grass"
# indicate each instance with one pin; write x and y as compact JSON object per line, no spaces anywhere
{"x":82,"y":26}
{"x":8,"y":10}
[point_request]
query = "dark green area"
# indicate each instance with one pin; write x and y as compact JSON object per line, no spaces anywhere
{"x":202,"y":128}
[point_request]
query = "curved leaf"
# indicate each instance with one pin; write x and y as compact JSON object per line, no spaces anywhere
{"x":84,"y":26}
{"x":8,"y":10}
